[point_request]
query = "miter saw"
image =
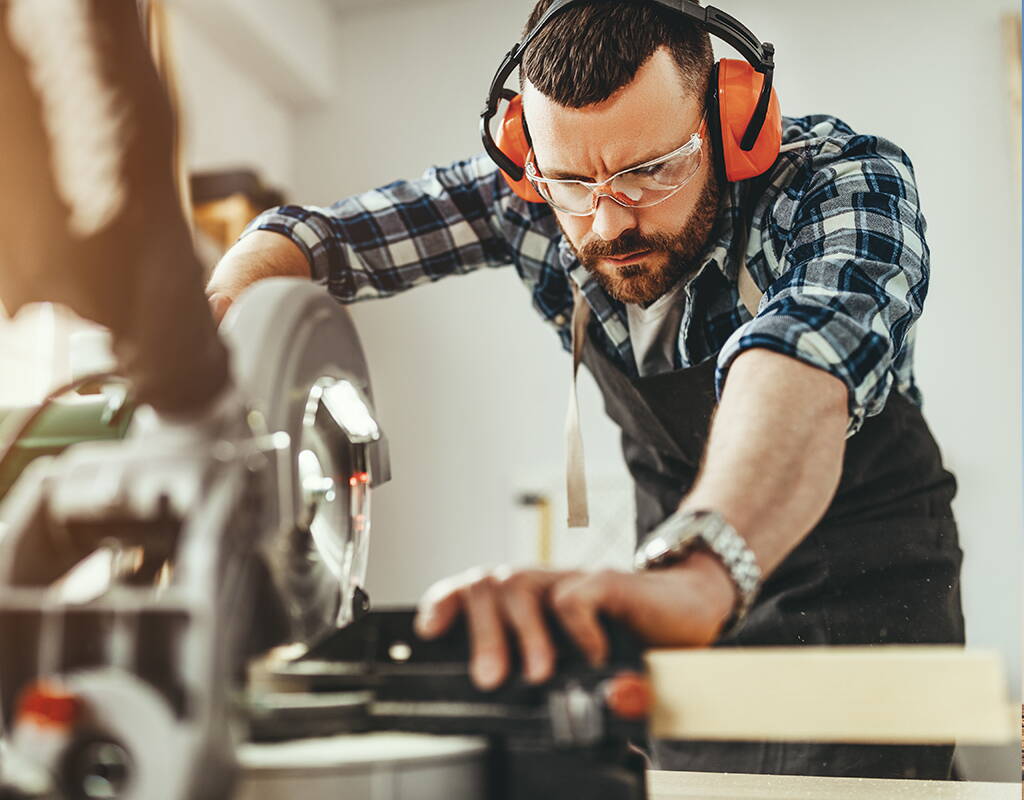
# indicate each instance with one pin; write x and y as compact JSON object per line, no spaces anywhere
{"x":137,"y":576}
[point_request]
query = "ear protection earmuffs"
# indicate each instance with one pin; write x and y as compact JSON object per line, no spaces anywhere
{"x":742,"y":108}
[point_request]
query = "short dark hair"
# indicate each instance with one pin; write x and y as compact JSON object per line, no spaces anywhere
{"x":587,"y":53}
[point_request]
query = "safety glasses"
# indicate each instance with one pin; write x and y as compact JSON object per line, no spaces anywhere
{"x":641,"y":186}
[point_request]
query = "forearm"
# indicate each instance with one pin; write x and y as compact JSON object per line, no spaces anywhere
{"x":775,"y":452}
{"x":381,"y":242}
{"x":261,"y":254}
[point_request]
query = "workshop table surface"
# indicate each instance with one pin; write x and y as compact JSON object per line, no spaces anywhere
{"x":719,"y":786}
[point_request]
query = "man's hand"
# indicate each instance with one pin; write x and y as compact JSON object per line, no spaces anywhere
{"x":261,"y":254}
{"x":684,"y":605}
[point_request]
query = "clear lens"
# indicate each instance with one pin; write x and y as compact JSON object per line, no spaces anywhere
{"x":571,"y":196}
{"x":645,"y":185}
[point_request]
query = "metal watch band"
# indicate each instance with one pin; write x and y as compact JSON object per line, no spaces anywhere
{"x":675,"y":538}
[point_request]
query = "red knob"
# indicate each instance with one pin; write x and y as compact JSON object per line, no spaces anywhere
{"x":629,"y":695}
{"x":47,"y":705}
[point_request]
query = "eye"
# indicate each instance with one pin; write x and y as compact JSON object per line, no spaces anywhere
{"x":651,"y":171}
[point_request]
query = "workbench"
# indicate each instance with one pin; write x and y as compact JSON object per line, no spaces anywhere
{"x":724,"y":786}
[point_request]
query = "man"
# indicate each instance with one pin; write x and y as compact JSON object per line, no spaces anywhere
{"x":816,"y":496}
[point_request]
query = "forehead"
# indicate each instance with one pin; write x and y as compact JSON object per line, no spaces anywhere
{"x":651,"y":115}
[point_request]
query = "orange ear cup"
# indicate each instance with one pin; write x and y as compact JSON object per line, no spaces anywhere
{"x":738,"y":88}
{"x":511,"y":138}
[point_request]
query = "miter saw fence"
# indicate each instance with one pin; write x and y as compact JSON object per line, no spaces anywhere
{"x":138,"y":576}
{"x":569,"y":737}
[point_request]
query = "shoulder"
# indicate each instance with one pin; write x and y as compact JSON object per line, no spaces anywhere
{"x":831,"y":185}
{"x":820,"y":151}
{"x":825,"y":169}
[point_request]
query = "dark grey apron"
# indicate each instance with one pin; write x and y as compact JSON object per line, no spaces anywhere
{"x":882,"y":566}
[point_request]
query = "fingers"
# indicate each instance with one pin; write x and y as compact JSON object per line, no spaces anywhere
{"x":474,"y":594}
{"x":522,"y":601}
{"x":578,"y":602}
{"x":494,"y":603}
{"x":439,"y":607}
{"x":488,"y":659}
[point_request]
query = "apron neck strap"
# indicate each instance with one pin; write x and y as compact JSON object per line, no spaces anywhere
{"x":750,"y":295}
{"x":575,"y":475}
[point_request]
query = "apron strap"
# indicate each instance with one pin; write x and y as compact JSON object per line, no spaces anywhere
{"x":575,"y":475}
{"x":750,"y":295}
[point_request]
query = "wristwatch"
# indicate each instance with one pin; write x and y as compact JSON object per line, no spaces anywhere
{"x":683,"y":532}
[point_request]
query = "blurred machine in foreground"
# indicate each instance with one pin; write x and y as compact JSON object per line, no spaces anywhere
{"x":138,"y":576}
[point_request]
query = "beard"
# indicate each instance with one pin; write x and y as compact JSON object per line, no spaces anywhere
{"x":673,"y":257}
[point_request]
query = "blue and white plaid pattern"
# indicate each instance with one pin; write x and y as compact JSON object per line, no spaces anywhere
{"x":836,"y":243}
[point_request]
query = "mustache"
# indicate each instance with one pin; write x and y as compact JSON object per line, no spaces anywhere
{"x":629,"y":242}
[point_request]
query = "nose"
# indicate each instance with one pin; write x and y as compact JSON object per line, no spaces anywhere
{"x":611,"y":219}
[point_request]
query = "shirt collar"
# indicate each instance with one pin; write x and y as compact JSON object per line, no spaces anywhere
{"x":574,"y":267}
{"x":721,"y":250}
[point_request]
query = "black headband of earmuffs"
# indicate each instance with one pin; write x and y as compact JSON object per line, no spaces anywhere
{"x":761,"y":57}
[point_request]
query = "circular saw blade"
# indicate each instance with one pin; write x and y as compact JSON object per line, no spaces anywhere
{"x":298,"y":360}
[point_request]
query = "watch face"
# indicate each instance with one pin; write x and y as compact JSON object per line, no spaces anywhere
{"x":656,"y":549}
{"x":673,"y":539}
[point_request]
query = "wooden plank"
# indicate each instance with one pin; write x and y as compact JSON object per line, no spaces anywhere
{"x":716,"y":786}
{"x":885,"y":695}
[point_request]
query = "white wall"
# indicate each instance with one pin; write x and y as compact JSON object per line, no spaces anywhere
{"x":472,"y":388}
{"x":228,"y":118}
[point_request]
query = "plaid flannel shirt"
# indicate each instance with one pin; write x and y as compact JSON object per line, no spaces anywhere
{"x":834,"y":238}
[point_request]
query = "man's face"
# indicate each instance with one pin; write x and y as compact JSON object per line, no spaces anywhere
{"x":637,"y":254}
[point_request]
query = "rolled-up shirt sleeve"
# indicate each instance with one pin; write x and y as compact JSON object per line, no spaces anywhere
{"x":387,"y":240}
{"x":851,"y":275}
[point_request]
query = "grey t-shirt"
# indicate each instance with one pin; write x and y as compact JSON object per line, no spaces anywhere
{"x":654,"y":331}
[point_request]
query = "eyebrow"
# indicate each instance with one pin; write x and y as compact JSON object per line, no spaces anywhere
{"x":560,"y":175}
